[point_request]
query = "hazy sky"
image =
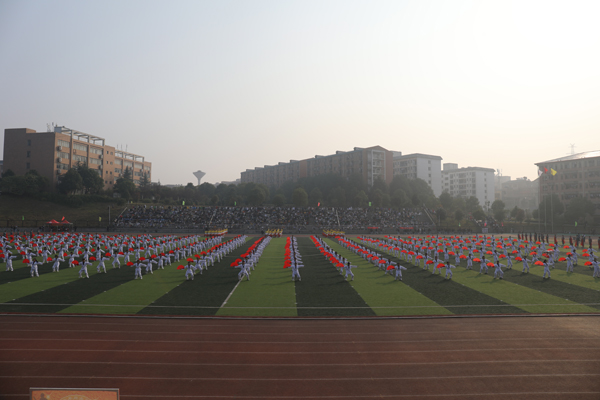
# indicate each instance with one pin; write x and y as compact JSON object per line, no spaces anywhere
{"x":223,"y":86}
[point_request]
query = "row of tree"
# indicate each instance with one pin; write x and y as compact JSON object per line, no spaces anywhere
{"x":325,"y":190}
{"x":551,"y":209}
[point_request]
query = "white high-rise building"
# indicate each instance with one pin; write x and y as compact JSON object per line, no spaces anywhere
{"x":422,"y":166}
{"x":469,"y":181}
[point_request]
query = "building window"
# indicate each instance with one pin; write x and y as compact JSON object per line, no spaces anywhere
{"x":81,"y":147}
{"x":28,"y":142}
{"x":28,"y":153}
{"x":81,"y":159}
{"x":64,"y":143}
{"x":27,"y":166}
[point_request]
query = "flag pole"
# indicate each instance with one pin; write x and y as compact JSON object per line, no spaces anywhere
{"x":551,"y":204}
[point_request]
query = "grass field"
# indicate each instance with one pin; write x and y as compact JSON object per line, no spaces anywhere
{"x":321,"y":292}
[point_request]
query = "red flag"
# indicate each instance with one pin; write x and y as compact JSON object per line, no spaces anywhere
{"x":63,"y":218}
{"x":545,"y":170}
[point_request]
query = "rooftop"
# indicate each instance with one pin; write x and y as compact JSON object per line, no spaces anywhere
{"x":419,"y":155}
{"x":571,"y":157}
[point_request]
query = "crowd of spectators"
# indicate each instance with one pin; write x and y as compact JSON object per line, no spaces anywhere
{"x":259,"y":218}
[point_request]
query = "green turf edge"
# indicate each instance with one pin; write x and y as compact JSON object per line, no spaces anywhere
{"x":132,"y":296}
{"x":527,"y":299}
{"x":270,"y":289}
{"x":322,"y":290}
{"x":26,"y":287}
{"x":205,"y":294}
{"x":385,"y":295}
{"x":559,"y":273}
{"x":450,"y":293}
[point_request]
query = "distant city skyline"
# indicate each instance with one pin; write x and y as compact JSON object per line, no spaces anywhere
{"x":226,"y":86}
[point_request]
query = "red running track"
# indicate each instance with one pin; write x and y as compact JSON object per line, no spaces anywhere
{"x":170,"y":358}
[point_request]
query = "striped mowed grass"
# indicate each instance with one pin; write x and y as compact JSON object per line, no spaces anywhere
{"x":323,"y":291}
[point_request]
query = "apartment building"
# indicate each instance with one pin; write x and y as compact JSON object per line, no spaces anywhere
{"x":53,"y":153}
{"x":422,"y":166}
{"x":576,"y":175}
{"x":469,"y":181}
{"x":371,"y":163}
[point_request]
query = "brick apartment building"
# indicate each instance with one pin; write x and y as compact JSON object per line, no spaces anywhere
{"x":52,"y":154}
{"x":371,"y":163}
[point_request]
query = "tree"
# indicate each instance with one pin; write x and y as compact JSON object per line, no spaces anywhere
{"x":299,"y":197}
{"x":578,"y":209}
{"x":478,"y":214}
{"x":377,"y":198}
{"x":13,"y":185}
{"x":337,"y":197}
{"x":256,"y":196}
{"x":207,"y":189}
{"x":422,"y":193}
{"x":459,"y":215}
{"x":458,"y":203}
{"x":125,"y":187}
{"x":379,"y":184}
{"x":127,"y":174}
{"x":441,"y":214}
{"x":35,"y":183}
{"x":70,"y":182}
{"x":361,"y":199}
{"x":315,"y":197}
{"x":520,"y":215}
{"x":446,"y":200}
{"x":550,"y":208}
{"x":92,"y":182}
{"x":498,"y":210}
{"x":8,"y":173}
{"x":145,"y":181}
{"x":472,"y":204}
{"x":514,"y":211}
{"x":145,"y":187}
{"x":399,"y":198}
{"x":279,"y":200}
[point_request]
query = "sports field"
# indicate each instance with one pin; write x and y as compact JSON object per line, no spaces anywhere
{"x":322,"y":291}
